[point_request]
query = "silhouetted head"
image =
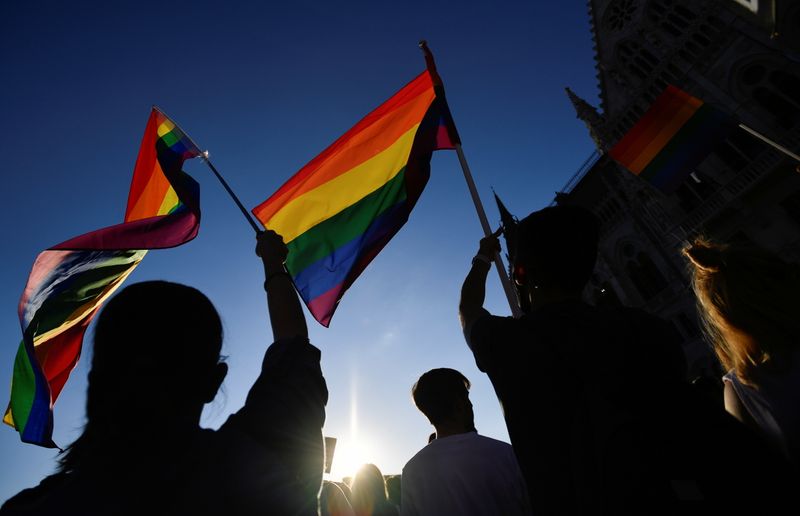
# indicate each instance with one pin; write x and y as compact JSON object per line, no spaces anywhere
{"x":556,"y":249}
{"x":155,"y":362}
{"x":443,"y":396}
{"x":394,"y":489}
{"x":748,"y":301}
{"x":333,"y":501}
{"x":368,"y":490}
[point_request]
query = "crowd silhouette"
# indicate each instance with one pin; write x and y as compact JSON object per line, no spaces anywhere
{"x":601,"y":415}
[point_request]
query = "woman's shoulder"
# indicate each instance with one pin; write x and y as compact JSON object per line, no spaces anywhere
{"x":53,"y":495}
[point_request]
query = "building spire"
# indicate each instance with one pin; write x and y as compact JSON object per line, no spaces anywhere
{"x":594,"y":121}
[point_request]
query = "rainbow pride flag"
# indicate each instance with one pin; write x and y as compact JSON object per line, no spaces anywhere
{"x":671,"y":138}
{"x":345,"y":205}
{"x":69,"y":281}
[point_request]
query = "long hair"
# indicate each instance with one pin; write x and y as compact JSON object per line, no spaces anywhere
{"x":154,"y":344}
{"x":748,"y":302}
{"x":369,"y":490}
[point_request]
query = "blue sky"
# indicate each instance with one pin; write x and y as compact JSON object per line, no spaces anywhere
{"x":265,"y":86}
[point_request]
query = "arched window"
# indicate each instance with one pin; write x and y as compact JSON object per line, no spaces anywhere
{"x":775,"y":89}
{"x":671,"y":17}
{"x":636,"y":60}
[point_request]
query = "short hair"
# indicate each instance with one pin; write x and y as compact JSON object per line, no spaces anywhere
{"x":436,"y":392}
{"x":557,"y":246}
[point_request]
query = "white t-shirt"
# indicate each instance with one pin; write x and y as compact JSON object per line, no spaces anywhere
{"x":775,"y":405}
{"x":465,"y":474}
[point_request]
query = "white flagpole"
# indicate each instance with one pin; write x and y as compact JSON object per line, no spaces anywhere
{"x":770,"y":142}
{"x":487,"y":231}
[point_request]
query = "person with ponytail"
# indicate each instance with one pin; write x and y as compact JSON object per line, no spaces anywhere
{"x":749,"y":303}
{"x":155,"y":363}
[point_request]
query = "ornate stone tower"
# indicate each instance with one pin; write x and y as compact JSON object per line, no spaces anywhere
{"x":743,"y":190}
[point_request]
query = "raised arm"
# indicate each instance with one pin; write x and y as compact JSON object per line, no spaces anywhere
{"x":285,"y":313}
{"x":473,"y":291}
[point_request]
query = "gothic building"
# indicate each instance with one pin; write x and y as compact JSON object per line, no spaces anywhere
{"x":744,"y":190}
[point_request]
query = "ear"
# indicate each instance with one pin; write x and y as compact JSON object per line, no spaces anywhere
{"x":214,"y":381}
{"x":520,"y":277}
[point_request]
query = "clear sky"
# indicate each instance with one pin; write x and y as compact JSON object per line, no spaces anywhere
{"x":266,"y":86}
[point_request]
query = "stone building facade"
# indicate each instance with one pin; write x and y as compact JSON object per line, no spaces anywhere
{"x":744,"y":190}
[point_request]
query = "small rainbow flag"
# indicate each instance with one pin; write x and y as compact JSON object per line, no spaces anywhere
{"x":345,"y":205}
{"x":69,"y":281}
{"x":671,"y":138}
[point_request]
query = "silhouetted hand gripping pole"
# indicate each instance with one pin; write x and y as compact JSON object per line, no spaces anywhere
{"x":498,"y":261}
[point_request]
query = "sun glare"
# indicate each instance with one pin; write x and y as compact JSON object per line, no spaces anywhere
{"x":348,"y":456}
{"x":352,"y":451}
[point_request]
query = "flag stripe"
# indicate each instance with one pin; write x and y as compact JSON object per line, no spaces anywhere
{"x":662,"y":114}
{"x":369,"y":136}
{"x":672,"y":138}
{"x":322,"y":275}
{"x":23,"y":389}
{"x":324,"y":303}
{"x":342,"y":208}
{"x":69,"y":282}
{"x":643,"y":133}
{"x":363,"y":146}
{"x":77,"y":289}
{"x":147,"y":177}
{"x":661,"y":135}
{"x":694,"y":141}
{"x":328,"y":199}
{"x":323,"y":306}
{"x":331,"y":234}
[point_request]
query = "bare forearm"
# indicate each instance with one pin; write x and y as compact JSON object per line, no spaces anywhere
{"x":473,"y":293}
{"x":285,"y":312}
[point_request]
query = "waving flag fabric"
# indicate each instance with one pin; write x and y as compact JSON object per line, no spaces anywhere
{"x":69,"y":281}
{"x":671,"y":138}
{"x":345,"y":205}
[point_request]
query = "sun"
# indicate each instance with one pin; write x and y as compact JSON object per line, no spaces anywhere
{"x":348,"y":456}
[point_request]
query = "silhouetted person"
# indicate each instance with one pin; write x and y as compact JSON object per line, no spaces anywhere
{"x":394,"y":488}
{"x":369,"y":496}
{"x":749,"y":300}
{"x":459,"y":472}
{"x":333,"y":501}
{"x":155,"y":363}
{"x":598,"y":409}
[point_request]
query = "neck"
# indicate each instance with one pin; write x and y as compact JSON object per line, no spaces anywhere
{"x":446,"y":430}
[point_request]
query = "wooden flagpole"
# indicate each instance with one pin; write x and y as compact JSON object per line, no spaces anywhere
{"x":487,"y":230}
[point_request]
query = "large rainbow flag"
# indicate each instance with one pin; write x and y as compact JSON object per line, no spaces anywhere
{"x":671,"y":138}
{"x":69,"y":281}
{"x":345,"y":205}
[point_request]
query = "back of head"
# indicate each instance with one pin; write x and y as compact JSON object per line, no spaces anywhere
{"x":438,"y":391}
{"x":369,"y":489}
{"x":748,"y":301}
{"x":155,"y":332}
{"x":394,"y":489}
{"x":557,"y":247}
{"x":156,"y":346}
{"x":333,"y":501}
